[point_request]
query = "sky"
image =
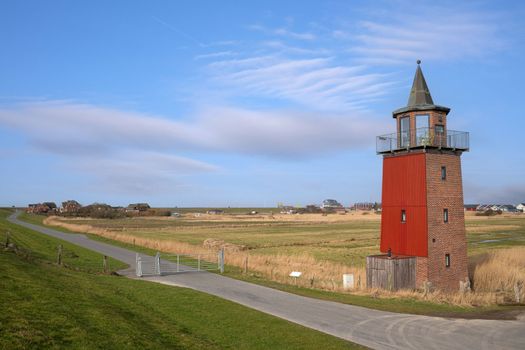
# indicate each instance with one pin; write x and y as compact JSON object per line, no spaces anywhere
{"x":230,"y":103}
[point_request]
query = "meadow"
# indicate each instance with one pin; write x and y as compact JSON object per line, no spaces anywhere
{"x":79,"y":306}
{"x":323,"y":247}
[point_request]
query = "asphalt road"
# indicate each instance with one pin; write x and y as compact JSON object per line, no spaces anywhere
{"x":372,"y":328}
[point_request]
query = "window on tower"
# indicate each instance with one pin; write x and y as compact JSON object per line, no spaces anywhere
{"x":447,"y":260}
{"x":445,"y":215}
{"x":443,"y":173}
{"x":403,"y":216}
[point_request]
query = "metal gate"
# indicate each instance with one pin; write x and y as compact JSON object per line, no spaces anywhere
{"x":167,"y":264}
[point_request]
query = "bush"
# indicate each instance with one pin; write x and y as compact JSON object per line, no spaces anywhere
{"x":489,"y":212}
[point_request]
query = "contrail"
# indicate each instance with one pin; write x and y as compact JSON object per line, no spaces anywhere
{"x":169,"y":26}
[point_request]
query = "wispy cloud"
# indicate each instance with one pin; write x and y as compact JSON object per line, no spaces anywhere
{"x":315,"y":82}
{"x":214,"y":55}
{"x":398,"y":39}
{"x":129,"y":151}
{"x":283,"y":32}
{"x":72,"y":129}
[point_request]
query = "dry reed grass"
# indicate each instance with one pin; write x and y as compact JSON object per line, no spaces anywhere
{"x":498,"y":270}
{"x":322,"y":275}
{"x":493,"y":274}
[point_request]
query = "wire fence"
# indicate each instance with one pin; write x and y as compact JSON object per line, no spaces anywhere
{"x":58,"y":254}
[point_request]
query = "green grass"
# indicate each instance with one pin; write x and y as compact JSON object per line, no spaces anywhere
{"x":48,"y":306}
{"x":40,"y":247}
{"x":402,"y":305}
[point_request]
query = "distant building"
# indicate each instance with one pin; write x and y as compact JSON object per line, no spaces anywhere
{"x":215,"y":212}
{"x":521,"y":207}
{"x":137,"y":207}
{"x":42,"y":208}
{"x":365,"y":206}
{"x":331,"y":204}
{"x":70,"y":207}
{"x":312,"y":209}
{"x":288,"y":209}
{"x":508,"y":208}
{"x":471,"y":207}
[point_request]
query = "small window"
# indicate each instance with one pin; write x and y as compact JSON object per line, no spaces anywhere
{"x":447,"y":260}
{"x":443,"y":173}
{"x":445,"y":215}
{"x":403,"y":216}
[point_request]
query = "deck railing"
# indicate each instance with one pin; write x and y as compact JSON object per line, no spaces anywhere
{"x":423,"y":138}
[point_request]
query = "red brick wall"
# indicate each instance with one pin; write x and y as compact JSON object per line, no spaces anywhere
{"x":445,"y":238}
{"x":421,"y":271}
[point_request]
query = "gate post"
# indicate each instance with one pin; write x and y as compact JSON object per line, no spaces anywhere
{"x":157,"y":263}
{"x":138,"y":268}
{"x":221,"y":260}
{"x":177,"y":262}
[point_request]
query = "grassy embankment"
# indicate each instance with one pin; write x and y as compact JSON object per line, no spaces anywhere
{"x":77,"y":306}
{"x":408,"y":302}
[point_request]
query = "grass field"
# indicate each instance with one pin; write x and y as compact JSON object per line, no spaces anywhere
{"x":323,"y":247}
{"x":77,"y":306}
{"x":345,"y":239}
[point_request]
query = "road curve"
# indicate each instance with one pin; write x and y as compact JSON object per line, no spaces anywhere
{"x":372,"y":328}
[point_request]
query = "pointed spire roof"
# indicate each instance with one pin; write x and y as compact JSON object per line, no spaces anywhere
{"x":419,"y":94}
{"x":420,"y":98}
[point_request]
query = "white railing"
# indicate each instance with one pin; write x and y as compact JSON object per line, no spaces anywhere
{"x":423,"y":138}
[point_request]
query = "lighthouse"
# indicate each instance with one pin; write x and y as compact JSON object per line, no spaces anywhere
{"x":423,"y":238}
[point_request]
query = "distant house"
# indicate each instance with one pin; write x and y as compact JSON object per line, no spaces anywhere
{"x":521,"y":207}
{"x":138,"y":207}
{"x":215,"y":211}
{"x":483,"y":207}
{"x":288,"y":209}
{"x":70,"y":207}
{"x":364,"y":206}
{"x":312,"y":208}
{"x":42,"y":208}
{"x":331,"y":204}
{"x":508,"y":208}
{"x":471,"y":207}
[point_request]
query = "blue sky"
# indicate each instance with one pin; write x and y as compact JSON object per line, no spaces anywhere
{"x":227,"y":103}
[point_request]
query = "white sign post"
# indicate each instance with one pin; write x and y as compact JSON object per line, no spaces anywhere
{"x":295,"y":275}
{"x":348,"y":281}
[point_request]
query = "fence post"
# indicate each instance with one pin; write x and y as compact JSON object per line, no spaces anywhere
{"x":7,"y":239}
{"x":138,"y":269}
{"x":105,"y":263}
{"x":198,"y":262}
{"x":178,"y":262}
{"x":518,"y":286}
{"x":221,"y":266}
{"x":59,"y":255}
{"x":157,"y":263}
{"x":246,"y":264}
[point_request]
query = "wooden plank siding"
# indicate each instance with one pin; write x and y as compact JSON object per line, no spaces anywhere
{"x":391,"y":274}
{"x":404,"y":188}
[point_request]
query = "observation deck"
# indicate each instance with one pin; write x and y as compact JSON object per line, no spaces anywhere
{"x":423,"y":138}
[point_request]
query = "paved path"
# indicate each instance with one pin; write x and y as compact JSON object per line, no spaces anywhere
{"x":372,"y":328}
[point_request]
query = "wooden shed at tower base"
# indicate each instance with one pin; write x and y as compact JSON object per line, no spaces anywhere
{"x":391,"y":273}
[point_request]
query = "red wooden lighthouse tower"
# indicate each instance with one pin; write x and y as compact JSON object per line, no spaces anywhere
{"x":422,"y":223}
